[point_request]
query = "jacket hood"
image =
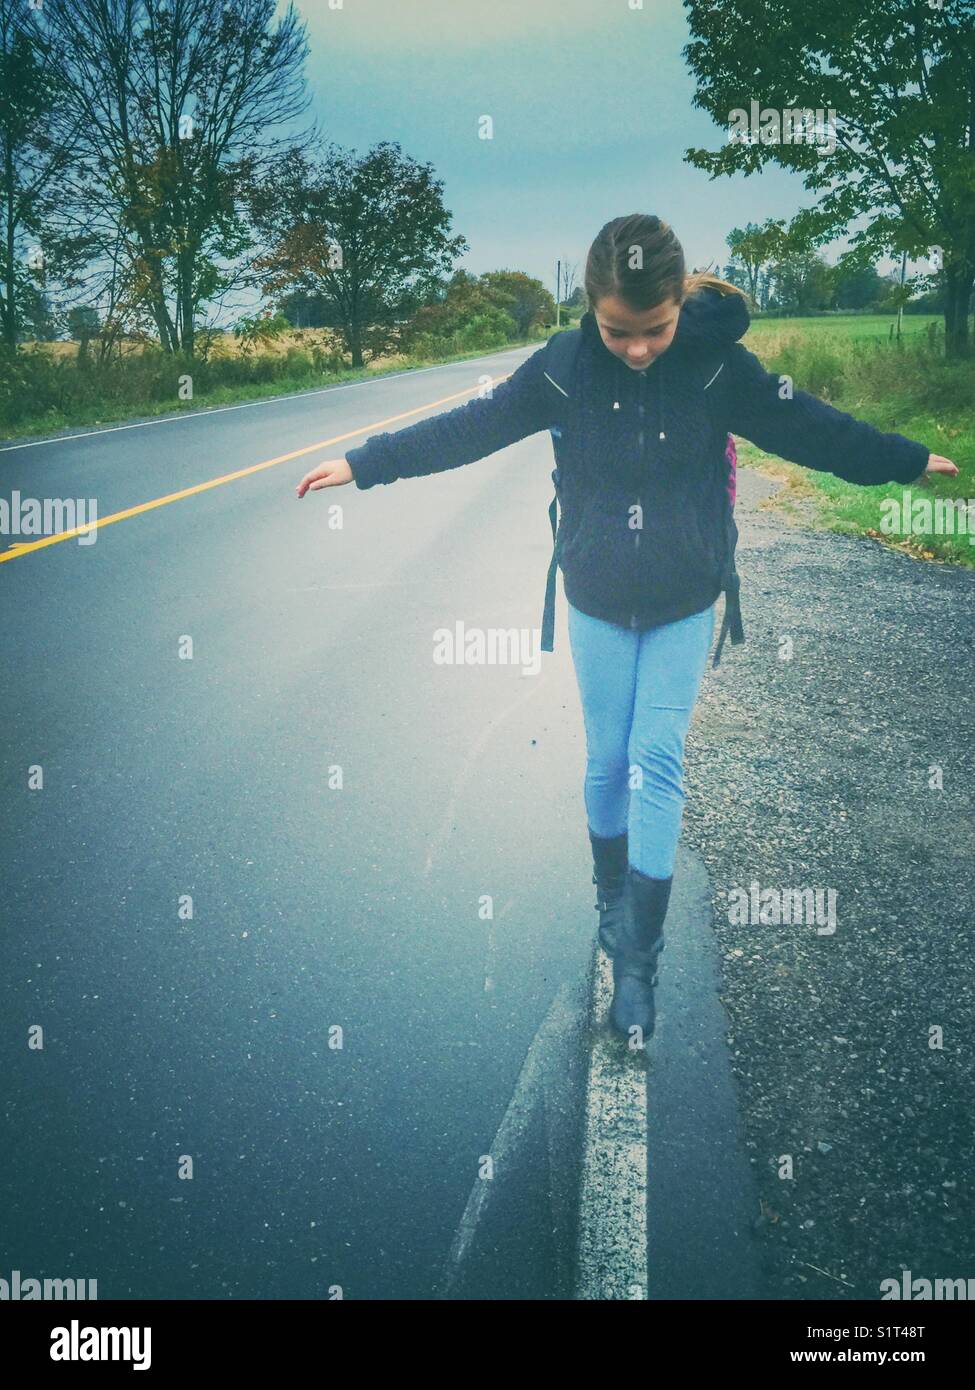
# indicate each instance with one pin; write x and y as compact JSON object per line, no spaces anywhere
{"x":713,"y":318}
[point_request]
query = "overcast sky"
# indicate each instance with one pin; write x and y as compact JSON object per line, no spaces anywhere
{"x":591,"y":104}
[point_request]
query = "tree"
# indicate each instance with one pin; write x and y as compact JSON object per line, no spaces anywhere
{"x":31,"y":161}
{"x":453,"y":304}
{"x":491,"y":309}
{"x":523,"y":297}
{"x":179,"y":100}
{"x":304,"y":310}
{"x":83,"y":324}
{"x":368,"y":236}
{"x":736,"y":274}
{"x":258,"y":331}
{"x":933,"y":302}
{"x":803,"y":282}
{"x":857,"y":286}
{"x":569,"y":272}
{"x":895,"y":83}
{"x":37,"y":317}
{"x":756,"y":247}
{"x":890,"y":294}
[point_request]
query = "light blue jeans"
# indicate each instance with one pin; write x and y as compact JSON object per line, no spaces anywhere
{"x":638,"y":693}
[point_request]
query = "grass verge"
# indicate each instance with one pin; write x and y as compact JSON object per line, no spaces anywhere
{"x":907,"y":388}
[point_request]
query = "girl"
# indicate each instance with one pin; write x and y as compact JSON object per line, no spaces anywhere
{"x":641,"y":423}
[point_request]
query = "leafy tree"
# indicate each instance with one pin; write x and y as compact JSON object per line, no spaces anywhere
{"x":492,"y":328}
{"x":453,"y":303}
{"x":179,"y":100}
{"x":755,"y":247}
{"x":368,"y":236}
{"x":890,"y":294}
{"x":933,"y":302}
{"x":259,"y":330}
{"x":304,"y":310}
{"x":523,"y":297}
{"x":83,"y":324}
{"x":37,"y":317}
{"x":736,"y":274}
{"x":480,"y":311}
{"x":31,"y":162}
{"x":803,"y":282}
{"x":857,"y":286}
{"x":899,"y":76}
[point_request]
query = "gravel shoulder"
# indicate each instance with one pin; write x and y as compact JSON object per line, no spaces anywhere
{"x":843,"y":762}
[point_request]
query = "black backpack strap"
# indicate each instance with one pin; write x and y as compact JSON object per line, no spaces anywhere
{"x":560,"y":356}
{"x":731,"y":624}
{"x":548,"y":613}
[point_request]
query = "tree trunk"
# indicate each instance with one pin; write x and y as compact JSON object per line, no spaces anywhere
{"x":10,"y":288}
{"x":163,"y":327}
{"x":355,"y":345}
{"x":184,"y":298}
{"x":188,"y":344}
{"x":960,"y":277}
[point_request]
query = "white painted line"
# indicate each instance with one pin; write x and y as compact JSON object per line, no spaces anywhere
{"x":611,"y":1259}
{"x":244,"y":405}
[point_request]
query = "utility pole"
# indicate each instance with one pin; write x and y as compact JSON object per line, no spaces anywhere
{"x":900,"y":307}
{"x":558,"y":294}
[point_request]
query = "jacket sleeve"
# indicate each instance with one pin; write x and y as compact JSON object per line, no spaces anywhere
{"x":807,"y":431}
{"x":523,"y":404}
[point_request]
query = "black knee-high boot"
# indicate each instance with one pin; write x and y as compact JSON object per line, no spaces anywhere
{"x":640,"y":942}
{"x":610,"y":859}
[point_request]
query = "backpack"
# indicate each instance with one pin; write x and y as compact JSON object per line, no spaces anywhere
{"x":561,"y":351}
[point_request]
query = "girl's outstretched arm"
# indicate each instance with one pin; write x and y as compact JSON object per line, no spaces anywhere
{"x":767,"y":409}
{"x":523,"y":404}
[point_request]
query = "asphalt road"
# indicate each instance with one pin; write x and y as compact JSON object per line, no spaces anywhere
{"x":315,"y":907}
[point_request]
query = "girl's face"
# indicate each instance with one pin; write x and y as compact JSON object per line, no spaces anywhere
{"x":636,"y":336}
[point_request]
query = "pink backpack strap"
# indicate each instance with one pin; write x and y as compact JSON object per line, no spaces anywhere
{"x":731,"y":455}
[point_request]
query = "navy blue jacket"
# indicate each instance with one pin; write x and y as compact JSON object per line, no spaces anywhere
{"x":646,"y":535}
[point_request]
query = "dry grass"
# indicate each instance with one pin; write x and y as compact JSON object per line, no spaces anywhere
{"x":227,"y":345}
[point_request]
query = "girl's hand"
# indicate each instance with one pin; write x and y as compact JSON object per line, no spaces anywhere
{"x":330,"y":474}
{"x":937,"y":464}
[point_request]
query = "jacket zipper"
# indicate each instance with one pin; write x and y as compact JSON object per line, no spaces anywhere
{"x":639,"y":499}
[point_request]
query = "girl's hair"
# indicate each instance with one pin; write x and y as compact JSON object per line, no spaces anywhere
{"x":639,"y":260}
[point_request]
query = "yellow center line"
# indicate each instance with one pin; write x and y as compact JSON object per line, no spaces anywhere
{"x":19,"y":548}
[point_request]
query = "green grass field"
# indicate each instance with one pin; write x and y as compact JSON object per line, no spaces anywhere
{"x":904,"y":387}
{"x":870,"y":326}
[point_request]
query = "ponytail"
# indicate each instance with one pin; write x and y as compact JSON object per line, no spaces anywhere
{"x":703,"y":279}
